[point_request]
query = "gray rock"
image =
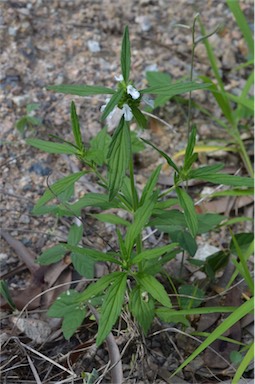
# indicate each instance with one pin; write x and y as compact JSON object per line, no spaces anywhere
{"x":20,"y":100}
{"x":93,"y":46}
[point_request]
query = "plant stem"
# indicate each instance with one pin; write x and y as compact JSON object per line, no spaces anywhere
{"x":135,"y":202}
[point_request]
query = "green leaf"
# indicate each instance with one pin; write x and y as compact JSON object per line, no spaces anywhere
{"x":168,"y":159}
{"x":175,"y":89}
{"x":139,"y":116}
{"x":205,"y":171}
{"x":150,"y":184}
{"x":169,"y":221}
{"x":81,"y":90}
{"x":58,"y":187}
{"x":50,"y":147}
{"x":185,"y":240}
{"x":94,"y":200}
{"x":51,"y":255}
{"x":234,"y":192}
{"x":235,"y":181}
{"x":83,"y":264}
{"x":116,"y":97}
{"x":76,"y":126}
{"x":246,"y":360}
{"x":154,"y":288}
{"x":141,"y":218}
{"x":150,"y":254}
{"x":189,"y":210}
{"x":208,"y":221}
{"x":190,"y":147}
{"x":119,"y":157}
{"x":167,"y":315}
{"x":72,"y":321}
{"x":243,"y":240}
{"x":196,"y":296}
{"x":221,"y":98}
{"x":64,"y":304}
{"x":111,"y":307}
{"x":4,"y":291}
{"x":235,"y":8}
{"x":154,"y":78}
{"x":110,"y":218}
{"x":171,"y":316}
{"x":125,"y":55}
{"x":215,"y":262}
{"x":98,"y":287}
{"x":142,"y":307}
{"x":75,"y":234}
{"x":137,"y":144}
{"x":99,"y":147}
{"x":91,"y":253}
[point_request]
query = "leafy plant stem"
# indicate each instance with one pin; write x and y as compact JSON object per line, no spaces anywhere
{"x":245,"y":157}
{"x":135,"y":204}
{"x":192,"y":67}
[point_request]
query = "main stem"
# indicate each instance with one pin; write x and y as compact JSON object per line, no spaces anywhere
{"x":135,"y":200}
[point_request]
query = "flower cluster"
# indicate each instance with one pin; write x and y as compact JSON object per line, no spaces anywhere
{"x":124,"y":109}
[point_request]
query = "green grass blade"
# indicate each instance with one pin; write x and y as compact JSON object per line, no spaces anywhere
{"x":244,"y":364}
{"x":243,"y":25}
{"x":240,"y":312}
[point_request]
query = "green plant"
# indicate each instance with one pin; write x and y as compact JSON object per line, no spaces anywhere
{"x":28,"y":121}
{"x":133,"y":284}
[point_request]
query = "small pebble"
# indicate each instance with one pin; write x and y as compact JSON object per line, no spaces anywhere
{"x":39,"y":169}
{"x":93,"y":46}
{"x":24,"y":219}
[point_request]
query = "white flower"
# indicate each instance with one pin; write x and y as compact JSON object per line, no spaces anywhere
{"x":133,"y":92}
{"x":127,"y":112}
{"x":118,"y":78}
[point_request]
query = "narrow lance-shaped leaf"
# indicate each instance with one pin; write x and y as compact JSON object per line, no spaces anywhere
{"x":151,"y":182}
{"x":76,"y":126}
{"x":168,"y":159}
{"x":92,"y":253}
{"x":120,"y":152}
{"x":50,"y":147}
{"x":141,"y":218}
{"x":142,"y":307}
{"x":111,"y":307}
{"x":150,"y":254}
{"x":81,"y":90}
{"x":112,"y":103}
{"x":221,"y":178}
{"x":190,"y":146}
{"x":58,"y":187}
{"x":175,"y":89}
{"x":150,"y":284}
{"x":75,"y":234}
{"x":139,"y":116}
{"x":125,"y":55}
{"x":189,"y":210}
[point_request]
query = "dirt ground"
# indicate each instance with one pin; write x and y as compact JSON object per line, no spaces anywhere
{"x":46,"y":42}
